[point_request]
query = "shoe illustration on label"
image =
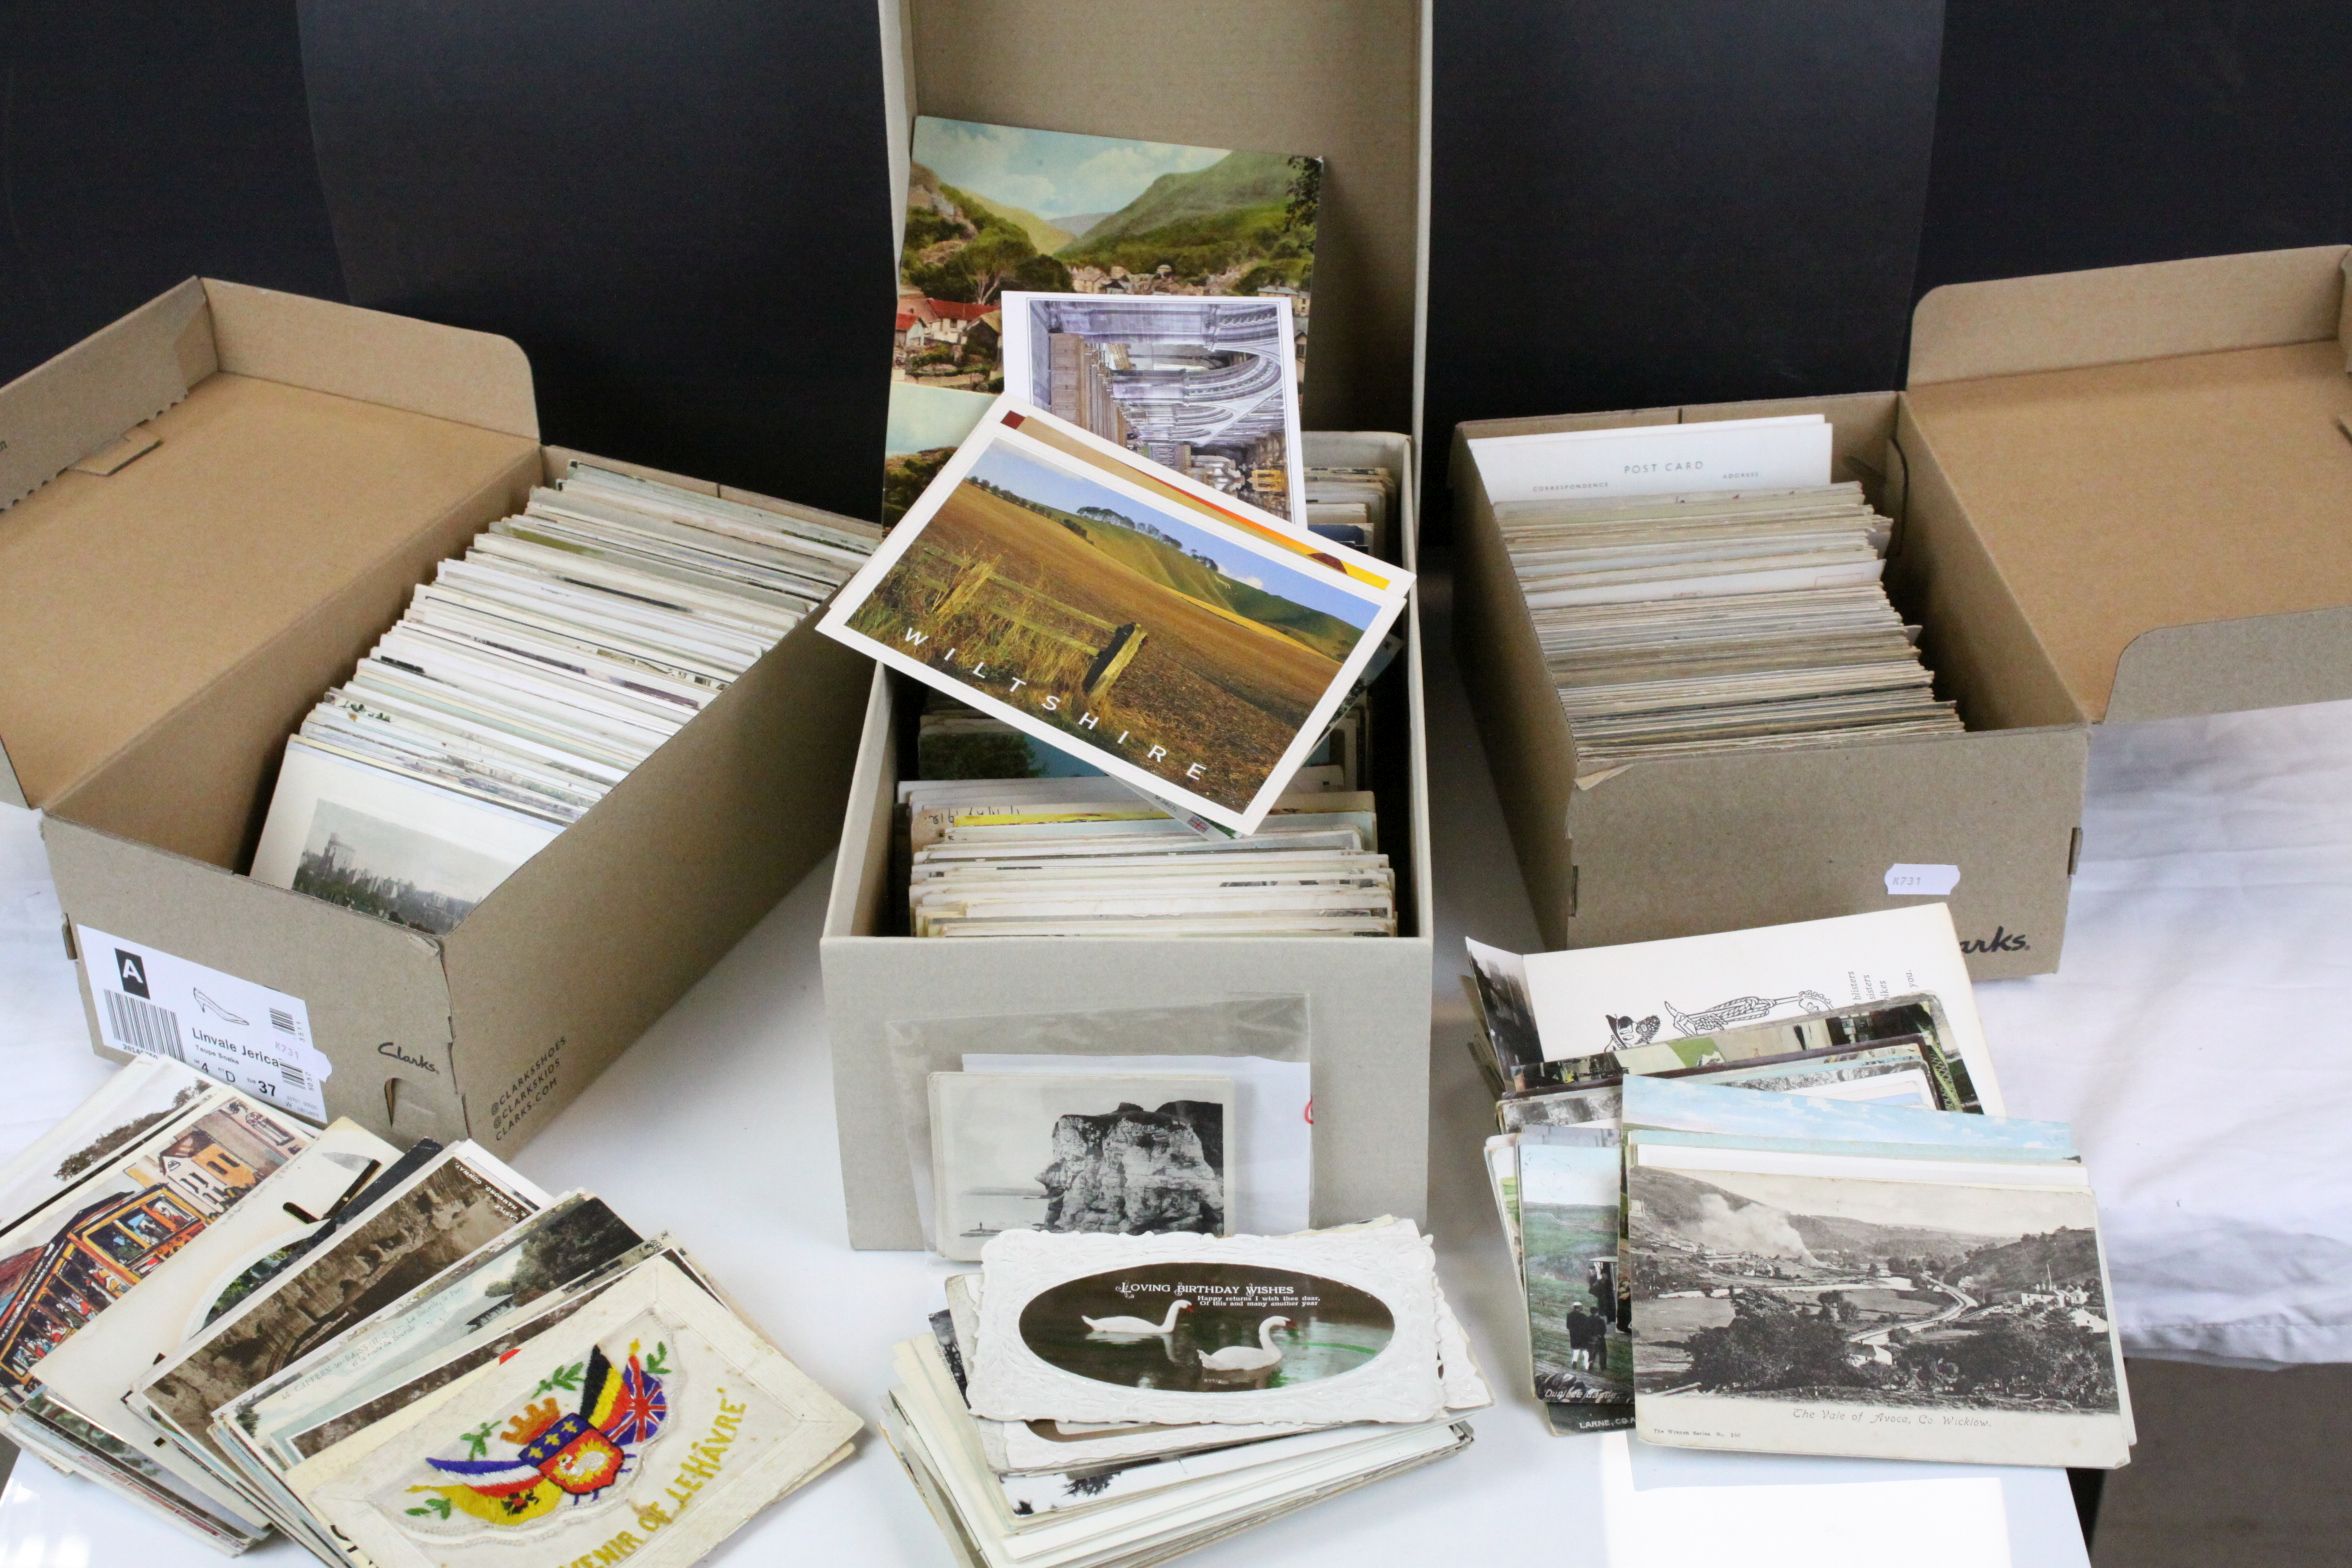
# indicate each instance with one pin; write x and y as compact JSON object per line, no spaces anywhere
{"x":229,"y":1029}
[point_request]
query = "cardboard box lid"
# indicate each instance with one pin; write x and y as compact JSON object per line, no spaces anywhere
{"x":1343,"y":80}
{"x":2159,"y":460}
{"x":180,"y":488}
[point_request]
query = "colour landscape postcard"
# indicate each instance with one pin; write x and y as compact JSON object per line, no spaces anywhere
{"x":1191,"y":646}
{"x":997,"y":207}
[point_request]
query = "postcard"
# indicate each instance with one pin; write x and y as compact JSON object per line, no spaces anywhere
{"x":572,"y":1237}
{"x":1199,"y":384}
{"x":1833,"y":1304}
{"x":1041,"y":1447}
{"x":1116,"y":1153}
{"x":92,"y":1245}
{"x":1914,"y":1020}
{"x":926,"y":1427}
{"x":1600,"y":999}
{"x":1683,"y":1106}
{"x":280,"y":1446}
{"x":1597,"y":1104}
{"x":1568,"y":1211}
{"x":1192,"y":647}
{"x":1272,"y":1135}
{"x":1784,"y":452}
{"x":127,"y":1106}
{"x":84,"y":1379}
{"x":1503,"y":1002}
{"x":992,"y":208}
{"x":386,"y":844}
{"x":464,"y":1199}
{"x":653,"y":1424}
{"x":1323,"y":1328}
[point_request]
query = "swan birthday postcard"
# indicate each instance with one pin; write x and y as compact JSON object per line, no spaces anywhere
{"x":1323,"y":1327}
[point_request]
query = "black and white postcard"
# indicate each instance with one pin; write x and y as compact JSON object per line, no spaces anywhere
{"x":1115,"y":1153}
{"x":1789,"y":1300}
{"x":1200,"y":384}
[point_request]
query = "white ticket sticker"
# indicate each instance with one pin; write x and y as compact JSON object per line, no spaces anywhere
{"x":1904,"y":880}
{"x":228,"y":1029}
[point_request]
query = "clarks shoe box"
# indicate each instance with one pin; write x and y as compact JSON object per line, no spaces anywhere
{"x":2120,"y":494}
{"x":1368,"y":997}
{"x":213,"y":508}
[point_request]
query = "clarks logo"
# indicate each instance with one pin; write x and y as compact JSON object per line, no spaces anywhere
{"x":2003,"y":940}
{"x":398,"y":1055}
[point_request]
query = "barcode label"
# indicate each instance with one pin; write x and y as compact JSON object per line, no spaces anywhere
{"x":143,"y":1026}
{"x":232,"y":1030}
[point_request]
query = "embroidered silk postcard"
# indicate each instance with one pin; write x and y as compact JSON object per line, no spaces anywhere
{"x":652,"y":1424}
{"x":1190,"y":645}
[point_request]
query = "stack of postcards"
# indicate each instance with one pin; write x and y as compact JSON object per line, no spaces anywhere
{"x":1089,"y":857}
{"x":1785,"y":1225}
{"x":1157,"y":726}
{"x":397,"y":1358}
{"x":528,"y":678}
{"x":1098,"y":1401}
{"x":1353,"y":506}
{"x":1678,"y":619}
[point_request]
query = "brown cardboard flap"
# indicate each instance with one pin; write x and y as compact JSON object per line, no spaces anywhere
{"x":473,"y":378}
{"x":2119,"y":498}
{"x":1335,"y":79}
{"x":122,"y":596}
{"x":2263,"y":661}
{"x":82,"y":402}
{"x":2067,"y":320}
{"x":183,"y":487}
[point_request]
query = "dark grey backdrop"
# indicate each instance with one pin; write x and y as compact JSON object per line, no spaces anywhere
{"x":682,"y":210}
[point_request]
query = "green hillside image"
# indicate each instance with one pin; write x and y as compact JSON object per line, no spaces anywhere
{"x":1237,"y":182}
{"x":1043,"y":234}
{"x":1163,"y":562}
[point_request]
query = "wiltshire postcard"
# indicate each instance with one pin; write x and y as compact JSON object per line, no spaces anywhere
{"x":1200,"y":385}
{"x":992,"y":208}
{"x":1191,"y":646}
{"x":1896,"y":1309}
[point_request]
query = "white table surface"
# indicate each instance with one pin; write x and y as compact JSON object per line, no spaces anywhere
{"x":2195,"y":1037}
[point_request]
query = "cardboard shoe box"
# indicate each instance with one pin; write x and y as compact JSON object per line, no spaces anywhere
{"x":1345,"y":80}
{"x":2120,"y":494}
{"x":213,"y":508}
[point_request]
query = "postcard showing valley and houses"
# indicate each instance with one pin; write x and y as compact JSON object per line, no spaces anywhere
{"x":992,"y":208}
